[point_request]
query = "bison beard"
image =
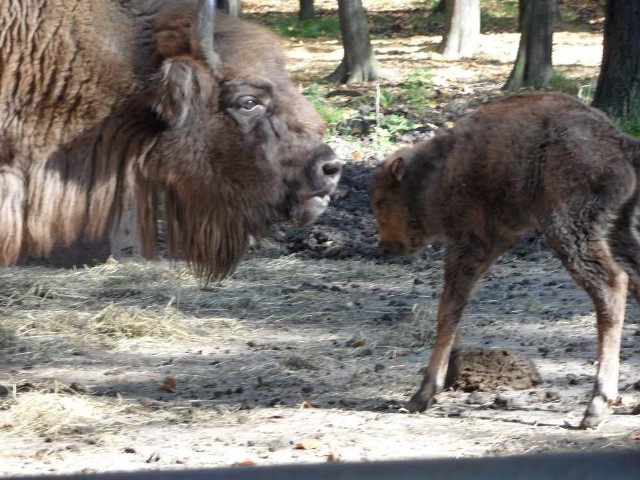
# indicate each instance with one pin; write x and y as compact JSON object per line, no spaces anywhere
{"x":539,"y":161}
{"x":111,"y":100}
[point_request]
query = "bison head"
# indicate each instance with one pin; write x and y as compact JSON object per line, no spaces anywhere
{"x":405,"y":196}
{"x":239,"y":146}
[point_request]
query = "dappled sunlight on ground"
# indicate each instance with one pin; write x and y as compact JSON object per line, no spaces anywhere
{"x":576,"y":54}
{"x":310,"y":349}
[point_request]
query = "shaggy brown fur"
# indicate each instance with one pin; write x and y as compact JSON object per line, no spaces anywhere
{"x":540,"y":161}
{"x":107,"y":99}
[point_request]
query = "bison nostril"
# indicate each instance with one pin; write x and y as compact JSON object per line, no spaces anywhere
{"x":332,"y":169}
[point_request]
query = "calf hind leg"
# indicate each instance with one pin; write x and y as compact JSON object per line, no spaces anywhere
{"x":587,"y":257}
{"x":625,"y":245}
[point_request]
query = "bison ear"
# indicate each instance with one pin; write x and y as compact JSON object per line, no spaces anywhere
{"x":180,"y":86}
{"x":396,"y":168}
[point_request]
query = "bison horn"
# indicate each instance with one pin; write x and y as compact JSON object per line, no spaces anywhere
{"x":202,"y":33}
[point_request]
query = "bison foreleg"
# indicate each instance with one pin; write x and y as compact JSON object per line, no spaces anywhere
{"x":464,"y":264}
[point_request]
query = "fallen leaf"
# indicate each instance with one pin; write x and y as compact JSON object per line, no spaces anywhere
{"x":245,"y":463}
{"x":308,"y":444}
{"x":169,"y":385}
{"x":358,"y":343}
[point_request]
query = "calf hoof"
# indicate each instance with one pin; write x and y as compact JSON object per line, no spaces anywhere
{"x":419,"y":402}
{"x":597,"y":410}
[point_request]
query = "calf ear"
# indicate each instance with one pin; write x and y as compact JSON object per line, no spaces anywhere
{"x":396,"y":168}
{"x":180,"y":86}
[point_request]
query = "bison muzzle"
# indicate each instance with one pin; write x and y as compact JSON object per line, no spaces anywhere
{"x":545,"y":162}
{"x":107,"y":101}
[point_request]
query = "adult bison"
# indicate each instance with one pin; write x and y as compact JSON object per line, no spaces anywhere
{"x":109,"y":100}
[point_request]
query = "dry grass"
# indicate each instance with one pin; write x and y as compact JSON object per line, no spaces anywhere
{"x":51,"y":316}
{"x":87,"y":355}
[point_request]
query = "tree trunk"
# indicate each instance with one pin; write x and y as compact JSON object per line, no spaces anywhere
{"x":358,"y":64}
{"x":557,"y":15}
{"x":441,"y":7}
{"x":618,"y":89}
{"x":522,"y":5}
{"x":462,"y":28}
{"x":306,"y":10}
{"x":533,"y":66}
{"x":232,"y":7}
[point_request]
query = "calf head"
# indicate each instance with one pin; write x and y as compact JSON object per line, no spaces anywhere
{"x":240,"y":148}
{"x":404,"y":196}
{"x":390,"y":205}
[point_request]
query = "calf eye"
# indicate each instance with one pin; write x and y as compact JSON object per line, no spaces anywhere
{"x":248,"y":103}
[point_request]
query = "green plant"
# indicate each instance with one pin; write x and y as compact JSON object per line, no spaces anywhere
{"x":329,"y":112}
{"x":631,"y":124}
{"x":396,"y":124}
{"x":312,"y":28}
{"x":586,"y":91}
{"x":387,"y":99}
{"x":417,"y":87}
{"x":381,"y":139}
{"x":499,"y":14}
{"x":632,"y":127}
{"x":561,"y":83}
{"x":501,"y":8}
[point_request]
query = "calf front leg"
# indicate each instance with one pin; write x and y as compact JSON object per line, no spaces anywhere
{"x":464,"y":264}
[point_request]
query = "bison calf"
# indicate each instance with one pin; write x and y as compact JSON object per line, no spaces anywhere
{"x":543,"y":162}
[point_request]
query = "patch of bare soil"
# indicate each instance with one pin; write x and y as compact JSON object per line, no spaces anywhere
{"x":308,"y":351}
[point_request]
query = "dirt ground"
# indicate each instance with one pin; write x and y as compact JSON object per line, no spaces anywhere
{"x":308,"y":351}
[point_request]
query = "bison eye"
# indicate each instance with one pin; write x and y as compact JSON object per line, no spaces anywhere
{"x":248,"y":103}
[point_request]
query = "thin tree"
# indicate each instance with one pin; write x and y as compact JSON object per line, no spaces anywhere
{"x":557,"y":14}
{"x":462,"y":28}
{"x":306,"y":10}
{"x":533,"y":66}
{"x":358,"y":63}
{"x":618,"y":89}
{"x":232,"y":7}
{"x":441,"y":7}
